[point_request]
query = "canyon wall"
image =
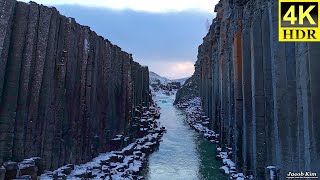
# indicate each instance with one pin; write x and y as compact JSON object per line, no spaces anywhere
{"x":65,"y":92}
{"x":261,"y":95}
{"x":190,"y":88}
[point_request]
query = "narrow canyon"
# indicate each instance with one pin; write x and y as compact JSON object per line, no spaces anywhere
{"x":75,"y":106}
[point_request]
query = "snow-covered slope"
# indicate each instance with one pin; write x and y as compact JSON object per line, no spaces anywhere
{"x":155,"y":78}
{"x":161,"y":85}
{"x":181,"y":81}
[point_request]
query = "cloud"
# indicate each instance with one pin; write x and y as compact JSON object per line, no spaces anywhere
{"x":173,"y":70}
{"x":166,"y":42}
{"x":155,"y":6}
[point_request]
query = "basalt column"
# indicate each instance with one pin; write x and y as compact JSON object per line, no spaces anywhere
{"x":64,"y":90}
{"x":260,"y":95}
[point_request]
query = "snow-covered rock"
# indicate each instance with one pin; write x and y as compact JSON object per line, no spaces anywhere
{"x":197,"y":120}
{"x":156,"y":78}
{"x":161,"y":85}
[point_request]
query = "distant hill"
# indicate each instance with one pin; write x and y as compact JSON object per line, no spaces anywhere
{"x":182,"y":80}
{"x":155,"y":78}
{"x":164,"y":85}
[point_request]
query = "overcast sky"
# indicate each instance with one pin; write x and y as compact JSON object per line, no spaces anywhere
{"x":162,"y":34}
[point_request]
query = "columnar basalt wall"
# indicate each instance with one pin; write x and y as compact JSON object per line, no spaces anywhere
{"x":190,"y":88}
{"x":261,"y":95}
{"x":64,"y":90}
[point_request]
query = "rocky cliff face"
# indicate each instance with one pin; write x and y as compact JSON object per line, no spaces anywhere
{"x":64,"y":90}
{"x":190,"y":88}
{"x":262,"y":96}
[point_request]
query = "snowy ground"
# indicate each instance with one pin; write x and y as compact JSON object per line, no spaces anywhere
{"x":197,"y":120}
{"x":124,"y":164}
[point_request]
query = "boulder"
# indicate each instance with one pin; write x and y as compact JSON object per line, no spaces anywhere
{"x":85,"y":175}
{"x":11,"y":169}
{"x":30,"y":170}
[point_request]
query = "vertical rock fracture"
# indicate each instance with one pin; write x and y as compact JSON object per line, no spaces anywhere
{"x":261,"y":96}
{"x":65,"y":92}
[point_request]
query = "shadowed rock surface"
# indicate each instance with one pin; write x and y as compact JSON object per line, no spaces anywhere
{"x":190,"y":88}
{"x":65,"y":92}
{"x":261,"y":96}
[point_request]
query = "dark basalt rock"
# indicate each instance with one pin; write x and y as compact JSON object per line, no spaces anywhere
{"x":2,"y":172}
{"x":10,"y":169}
{"x":30,"y":170}
{"x":85,"y":175}
{"x":261,"y":96}
{"x":65,"y":92}
{"x":67,"y":169}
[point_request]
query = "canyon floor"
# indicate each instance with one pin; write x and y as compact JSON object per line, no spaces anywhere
{"x":183,"y":152}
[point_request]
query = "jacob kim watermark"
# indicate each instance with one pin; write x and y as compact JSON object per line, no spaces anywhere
{"x":302,"y":175}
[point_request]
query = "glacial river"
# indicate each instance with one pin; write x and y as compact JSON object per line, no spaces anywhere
{"x":183,"y":154}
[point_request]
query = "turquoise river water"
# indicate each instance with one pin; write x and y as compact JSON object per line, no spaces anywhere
{"x":184,"y":154}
